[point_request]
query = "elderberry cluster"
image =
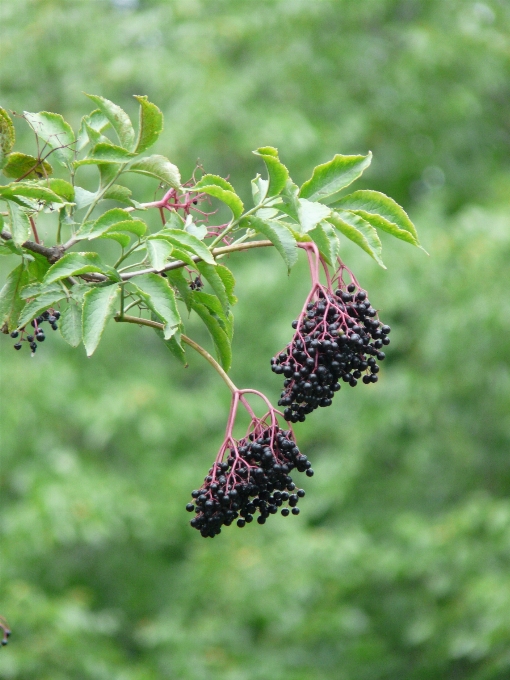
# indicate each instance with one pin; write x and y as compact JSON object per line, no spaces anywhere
{"x":254,"y":479}
{"x":50,"y":315}
{"x":338,"y":337}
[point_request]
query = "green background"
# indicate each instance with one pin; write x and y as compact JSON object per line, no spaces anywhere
{"x":398,"y":567}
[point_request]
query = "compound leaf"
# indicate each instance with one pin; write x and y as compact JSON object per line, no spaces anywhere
{"x":160,"y":298}
{"x":182,"y":239}
{"x":358,"y":231}
{"x":217,"y":332}
{"x":75,"y":264}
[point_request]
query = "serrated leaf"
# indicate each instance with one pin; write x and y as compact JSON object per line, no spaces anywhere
{"x":174,"y":345}
{"x":11,"y":302}
{"x":98,"y":306}
{"x":40,"y":304}
{"x":91,"y":128}
{"x":219,"y":336}
{"x":158,"y":251}
{"x":20,"y":224}
{"x":70,"y":323}
{"x":62,"y":188}
{"x":122,"y":239}
{"x":105,"y":152}
{"x":37,"y":266}
{"x":8,"y":247}
{"x":55,"y":131}
{"x":199,"y":231}
{"x":329,"y":178}
{"x":108,"y":220}
{"x":150,"y":125}
{"x":32,"y":191}
{"x":175,"y":221}
{"x":213,"y":180}
{"x":228,"y":281}
{"x":74,"y":264}
{"x":118,"y":118}
{"x":278,"y":173}
{"x":327,"y":241}
{"x":215,"y":307}
{"x":183,"y":256}
{"x":311,"y":214}
{"x":158,"y":167}
{"x":382,"y":212}
{"x":121,"y":194}
{"x":280,"y":237}
{"x":35,"y":289}
{"x":230,"y":198}
{"x":7,"y":136}
{"x":186,"y":241}
{"x":19,"y":164}
{"x":160,"y":298}
{"x":212,"y":276}
{"x":359,"y":231}
{"x":259,"y":189}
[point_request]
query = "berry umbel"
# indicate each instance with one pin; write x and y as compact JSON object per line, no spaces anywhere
{"x":338,"y":338}
{"x":250,"y":476}
{"x":51,"y":316}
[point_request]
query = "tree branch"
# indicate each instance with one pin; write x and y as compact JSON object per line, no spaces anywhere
{"x":52,"y":254}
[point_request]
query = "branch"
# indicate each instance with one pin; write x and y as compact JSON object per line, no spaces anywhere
{"x":216,"y":252}
{"x":52,"y":254}
{"x":198,"y":348}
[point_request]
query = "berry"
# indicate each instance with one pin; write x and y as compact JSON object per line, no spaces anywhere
{"x":254,"y":480}
{"x":336,"y":339}
{"x":14,"y":334}
{"x":17,"y":345}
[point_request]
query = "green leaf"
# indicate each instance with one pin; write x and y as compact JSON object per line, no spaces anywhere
{"x":20,"y":224}
{"x":19,"y":164}
{"x":311,"y":214}
{"x":118,"y":118}
{"x":198,"y":230}
{"x":182,"y":239}
{"x":227,"y":196}
{"x":331,"y":177}
{"x":214,"y":305}
{"x":158,"y":250}
{"x":11,"y":303}
{"x":228,"y":281}
{"x":183,"y":256}
{"x":105,"y":152}
{"x":160,"y":298}
{"x":158,"y":167}
{"x":150,"y":126}
{"x":8,"y":247}
{"x":278,"y":173}
{"x":213,"y":180}
{"x":37,"y":266}
{"x":116,"y":219}
{"x":259,"y":189}
{"x":327,"y":241}
{"x":382,"y":212}
{"x":40,"y":304}
{"x":219,"y":336}
{"x":33,"y":191}
{"x":121,"y":194}
{"x":55,"y":131}
{"x":91,"y":128}
{"x":216,"y":282}
{"x":62,"y":188}
{"x":74,"y":264}
{"x":359,"y":231}
{"x":83,"y":198}
{"x":70,"y":324}
{"x":7,"y":136}
{"x":35,"y":289}
{"x":98,"y":306}
{"x":280,"y":237}
{"x":175,"y":221}
{"x":174,"y":345}
{"x":179,"y":281}
{"x":121,"y":238}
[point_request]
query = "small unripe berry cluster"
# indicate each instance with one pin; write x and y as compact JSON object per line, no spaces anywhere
{"x":254,"y":479}
{"x":50,"y":315}
{"x":338,"y":337}
{"x":5,"y":632}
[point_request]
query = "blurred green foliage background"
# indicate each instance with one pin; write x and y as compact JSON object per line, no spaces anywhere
{"x":398,"y":566}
